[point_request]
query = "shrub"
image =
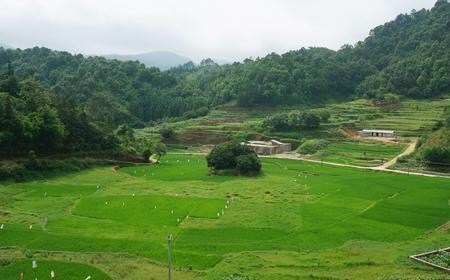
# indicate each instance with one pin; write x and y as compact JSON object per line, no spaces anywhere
{"x":189,"y":115}
{"x":167,"y":132}
{"x":248,"y":164}
{"x":436,"y":148}
{"x":312,"y":146}
{"x":291,"y":121}
{"x":324,"y":116}
{"x":202,"y":111}
{"x":146,"y":154}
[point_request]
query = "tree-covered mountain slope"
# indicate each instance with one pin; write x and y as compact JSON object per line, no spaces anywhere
{"x":407,"y":56}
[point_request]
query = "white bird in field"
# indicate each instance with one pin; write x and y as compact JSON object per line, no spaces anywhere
{"x":178,"y":220}
{"x":88,"y":278}
{"x":218,"y":215}
{"x":1,"y":227}
{"x":123,"y":203}
{"x":52,"y":274}
{"x":226,"y":206}
{"x":30,"y":227}
{"x":133,"y":194}
{"x":172,"y":211}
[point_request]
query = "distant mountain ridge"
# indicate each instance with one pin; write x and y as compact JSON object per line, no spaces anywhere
{"x":161,"y":59}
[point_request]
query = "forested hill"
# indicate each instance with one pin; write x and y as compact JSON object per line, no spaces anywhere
{"x":408,"y":56}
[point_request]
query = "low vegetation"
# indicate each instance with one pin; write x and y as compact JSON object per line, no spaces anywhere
{"x":337,"y":222}
{"x":441,"y":258}
{"x":311,"y":146}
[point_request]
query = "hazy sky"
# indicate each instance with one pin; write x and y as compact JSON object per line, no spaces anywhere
{"x":225,"y":29}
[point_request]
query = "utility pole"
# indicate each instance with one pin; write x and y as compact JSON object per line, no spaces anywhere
{"x":169,"y":240}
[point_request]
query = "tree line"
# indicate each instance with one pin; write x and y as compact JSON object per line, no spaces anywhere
{"x":56,"y":101}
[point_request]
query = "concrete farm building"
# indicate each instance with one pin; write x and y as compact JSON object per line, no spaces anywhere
{"x":377,"y":133}
{"x":268,"y":147}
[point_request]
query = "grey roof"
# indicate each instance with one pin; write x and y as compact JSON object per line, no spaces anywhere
{"x":378,"y":131}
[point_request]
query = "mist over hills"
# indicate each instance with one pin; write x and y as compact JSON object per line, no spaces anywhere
{"x":161,"y":59}
{"x":164,"y":60}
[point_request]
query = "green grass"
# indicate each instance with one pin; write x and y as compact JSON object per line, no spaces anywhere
{"x":62,"y":270}
{"x":359,"y":153}
{"x":148,"y":210}
{"x":296,"y":220}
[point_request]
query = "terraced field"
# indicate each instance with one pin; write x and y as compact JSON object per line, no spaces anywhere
{"x":298,"y":220}
{"x":359,"y":152}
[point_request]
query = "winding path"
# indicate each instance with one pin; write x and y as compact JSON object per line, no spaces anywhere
{"x":406,"y":152}
{"x":383,"y":167}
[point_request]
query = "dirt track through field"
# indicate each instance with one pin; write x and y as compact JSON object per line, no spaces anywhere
{"x":383,"y":168}
{"x":410,"y":149}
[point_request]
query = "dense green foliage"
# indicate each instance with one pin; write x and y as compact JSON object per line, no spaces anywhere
{"x":434,"y":149}
{"x":33,"y":118}
{"x":248,"y":164}
{"x":29,"y":169}
{"x":408,"y":56}
{"x":311,"y":146}
{"x":411,"y":54}
{"x":293,"y":120}
{"x":234,"y":155}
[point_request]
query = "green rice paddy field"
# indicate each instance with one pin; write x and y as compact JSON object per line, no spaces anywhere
{"x":298,"y":220}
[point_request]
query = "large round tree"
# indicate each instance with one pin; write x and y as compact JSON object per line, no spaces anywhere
{"x":234,"y":155}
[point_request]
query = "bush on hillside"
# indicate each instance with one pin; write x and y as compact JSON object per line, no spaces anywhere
{"x":167,"y":132}
{"x":311,"y":146}
{"x":146,"y":154}
{"x":291,"y":121}
{"x":44,"y":168}
{"x":435,"y":149}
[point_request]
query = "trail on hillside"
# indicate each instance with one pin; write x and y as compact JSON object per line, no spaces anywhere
{"x":409,"y":150}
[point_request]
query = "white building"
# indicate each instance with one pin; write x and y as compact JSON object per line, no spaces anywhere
{"x":268,"y":147}
{"x":377,"y":133}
